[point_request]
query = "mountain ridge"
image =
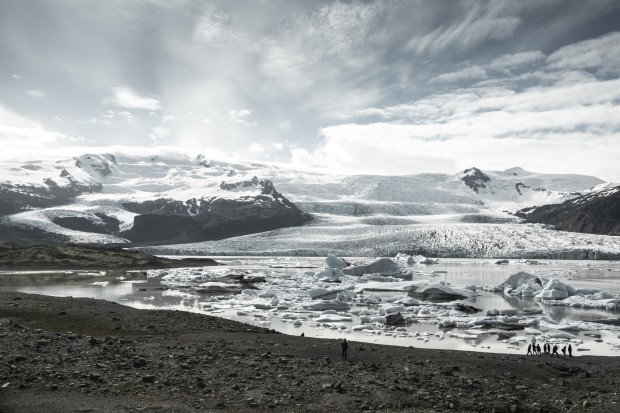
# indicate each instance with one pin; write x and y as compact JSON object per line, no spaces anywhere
{"x":170,"y":199}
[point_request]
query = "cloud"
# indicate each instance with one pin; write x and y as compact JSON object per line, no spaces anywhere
{"x":601,"y":54}
{"x":158,"y":133}
{"x":481,"y":23}
{"x":240,"y":116}
{"x":551,"y":117}
{"x":516,"y":61}
{"x":126,"y":97}
{"x":468,"y":73}
{"x":39,"y":94}
{"x":18,"y":133}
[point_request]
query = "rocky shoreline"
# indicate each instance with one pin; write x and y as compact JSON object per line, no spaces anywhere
{"x":87,"y":355}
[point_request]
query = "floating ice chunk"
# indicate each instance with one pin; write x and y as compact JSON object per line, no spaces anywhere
{"x":329,"y":318}
{"x":517,"y":339}
{"x":555,"y":290}
{"x":383,"y":266}
{"x":461,"y":335}
{"x":583,"y":302}
{"x":334,"y":262}
{"x":363,"y":327}
{"x":521,"y":284}
{"x":406,"y":258}
{"x":297,"y":323}
{"x":328,"y":305}
{"x":438,"y":290}
{"x":178,"y":293}
{"x":101,"y":283}
{"x":389,"y":309}
{"x":330,"y":274}
{"x":215,"y":287}
{"x":559,"y":334}
{"x":410,"y":301}
{"x":532,"y":331}
{"x":249,"y":293}
{"x":424,"y":260}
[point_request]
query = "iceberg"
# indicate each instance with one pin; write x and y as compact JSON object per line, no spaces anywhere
{"x":438,"y":290}
{"x":383,"y":266}
{"x":328,"y":305}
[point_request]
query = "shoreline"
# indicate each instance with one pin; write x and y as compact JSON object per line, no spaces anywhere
{"x":94,"y":355}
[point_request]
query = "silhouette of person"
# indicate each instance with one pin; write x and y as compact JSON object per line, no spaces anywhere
{"x":529,"y":349}
{"x":570,"y":351}
{"x":345,"y":346}
{"x":564,"y":351}
{"x":555,"y":351}
{"x":538,"y":349}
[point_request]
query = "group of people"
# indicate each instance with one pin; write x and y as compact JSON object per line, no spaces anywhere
{"x":534,"y":349}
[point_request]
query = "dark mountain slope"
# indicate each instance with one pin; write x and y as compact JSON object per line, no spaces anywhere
{"x":594,"y":213}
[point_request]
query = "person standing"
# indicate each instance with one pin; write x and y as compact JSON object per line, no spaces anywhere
{"x":345,"y":346}
{"x":555,"y":351}
{"x":570,"y":350}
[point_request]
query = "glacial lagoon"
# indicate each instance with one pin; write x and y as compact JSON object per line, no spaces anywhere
{"x":279,"y":301}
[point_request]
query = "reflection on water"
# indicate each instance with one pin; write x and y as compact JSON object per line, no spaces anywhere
{"x":141,"y":292}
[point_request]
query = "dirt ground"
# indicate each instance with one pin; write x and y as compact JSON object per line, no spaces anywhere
{"x":87,"y":355}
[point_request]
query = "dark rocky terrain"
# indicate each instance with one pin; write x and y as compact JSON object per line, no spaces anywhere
{"x":86,"y":355}
{"x":42,"y":257}
{"x":594,"y":213}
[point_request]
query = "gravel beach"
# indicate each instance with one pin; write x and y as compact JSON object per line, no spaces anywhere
{"x":86,"y":355}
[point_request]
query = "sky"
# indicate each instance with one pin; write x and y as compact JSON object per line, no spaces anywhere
{"x":353,"y":87}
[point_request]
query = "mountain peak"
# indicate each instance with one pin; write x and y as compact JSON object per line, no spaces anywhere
{"x":517,"y":170}
{"x":474,"y":178}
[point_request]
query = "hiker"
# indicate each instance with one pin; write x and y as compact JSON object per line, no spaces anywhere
{"x":564,"y":351}
{"x":344,"y":346}
{"x":529,"y":349}
{"x":570,"y":351}
{"x":538,"y":349}
{"x":555,"y":351}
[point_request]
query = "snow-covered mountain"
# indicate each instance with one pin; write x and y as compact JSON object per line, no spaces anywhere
{"x":171,"y":199}
{"x":118,"y":199}
{"x":597,"y":212}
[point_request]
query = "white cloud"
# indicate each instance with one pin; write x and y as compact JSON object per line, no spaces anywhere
{"x":126,"y":97}
{"x":240,"y":116}
{"x":523,"y":60}
{"x":468,"y":73}
{"x":483,"y":22}
{"x":158,"y":133}
{"x":39,"y":94}
{"x":18,"y":133}
{"x":602,"y":54}
{"x":256,"y":147}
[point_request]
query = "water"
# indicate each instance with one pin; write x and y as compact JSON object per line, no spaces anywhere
{"x":141,"y":292}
